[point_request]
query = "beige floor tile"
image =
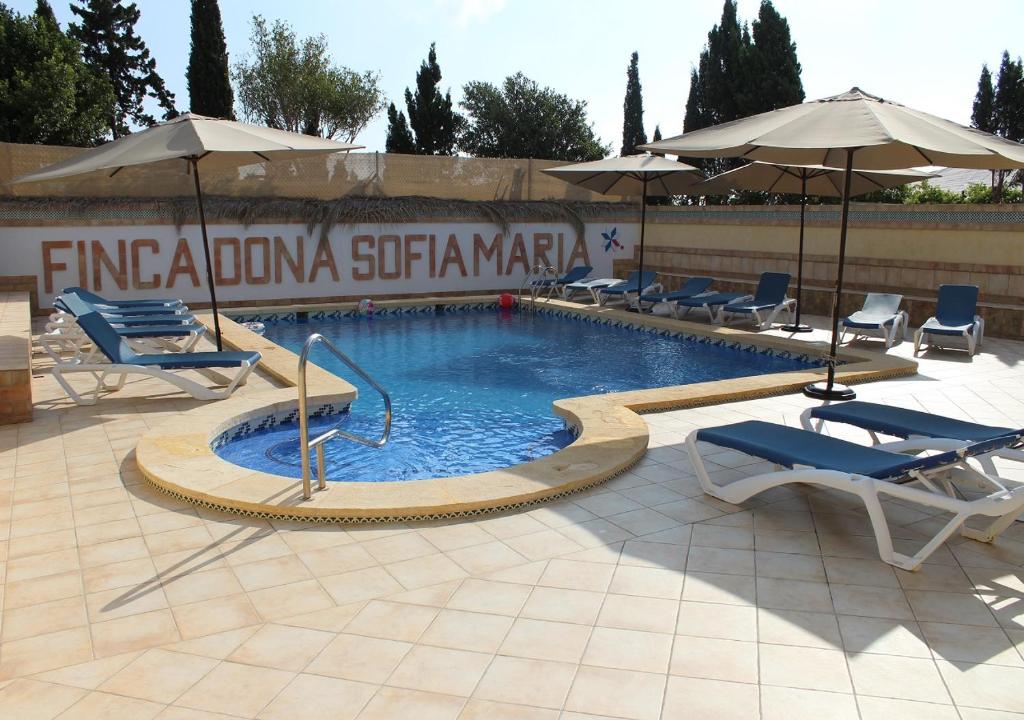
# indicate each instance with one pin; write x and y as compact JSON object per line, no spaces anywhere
{"x":319,"y":698}
{"x":560,"y":605}
{"x":943,"y":578}
{"x":392,"y":621}
{"x":806,"y":668}
{"x":714,"y":659}
{"x":108,"y":531}
{"x":875,"y":708}
{"x":455,"y":535}
{"x":886,"y":637}
{"x":727,"y":622}
{"x":779,"y":703}
{"x":44,"y":618}
{"x":390,"y":703}
{"x":788,"y":566}
{"x":122,"y":602}
{"x":355,"y":657}
{"x":359,"y":585}
{"x":574,"y":575}
{"x":714,"y":536}
{"x":105,"y":705}
{"x":177,"y":540}
{"x":966,"y":643}
{"x":332,"y":619}
{"x":27,"y":699}
{"x":647,"y":582}
{"x":787,"y":541}
{"x":854,"y":571}
{"x":462,"y":630}
{"x":282,"y":601}
{"x":44,"y":652}
{"x":486,"y":596}
{"x":43,"y":589}
{"x":236,"y":689}
{"x":159,"y":676}
{"x":719,"y":588}
{"x":793,"y":627}
{"x":427,"y":570}
{"x":487,"y":710}
{"x":874,"y":602}
{"x":35,"y":566}
{"x":522,"y":681}
{"x":622,"y":693}
{"x":631,"y":612}
{"x":217,"y":646}
{"x":39,"y":544}
{"x":984,"y":686}
{"x":793,"y":595}
{"x":729,"y":561}
{"x":398,"y":547}
{"x":897,"y":677}
{"x":337,"y":559}
{"x":542,"y":545}
{"x":930,"y":606}
{"x":544,"y":640}
{"x":268,"y":573}
{"x":282,"y":647}
{"x":135,"y":632}
{"x":699,"y":699}
{"x":628,"y":650}
{"x":91,"y":674}
{"x":432,"y":595}
{"x":185,"y":588}
{"x":485,"y":557}
{"x":653,"y":554}
{"x":314,"y":538}
{"x":443,"y":670}
{"x":140,"y":571}
{"x":212,"y":616}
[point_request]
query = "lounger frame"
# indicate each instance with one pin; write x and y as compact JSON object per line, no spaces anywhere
{"x":973,"y":334}
{"x":889,"y":332}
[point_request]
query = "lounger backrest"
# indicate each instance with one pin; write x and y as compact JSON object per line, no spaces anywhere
{"x":106,"y":338}
{"x":89,"y":297}
{"x":636,"y":279}
{"x":577,"y":273}
{"x":957,"y":305}
{"x":771,"y":288}
{"x":882,"y":304}
{"x":696,"y":285}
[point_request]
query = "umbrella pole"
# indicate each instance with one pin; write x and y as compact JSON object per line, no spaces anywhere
{"x":643,"y":225}
{"x":796,"y":327}
{"x":206,"y":252}
{"x":829,"y":390}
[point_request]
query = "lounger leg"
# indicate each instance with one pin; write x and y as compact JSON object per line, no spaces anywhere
{"x":994,"y":530}
{"x":917,"y":340}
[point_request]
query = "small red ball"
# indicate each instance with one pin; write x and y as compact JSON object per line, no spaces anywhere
{"x":506,"y":301}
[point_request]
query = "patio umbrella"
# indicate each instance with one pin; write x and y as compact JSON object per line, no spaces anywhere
{"x":804,"y":180}
{"x":836,"y":132}
{"x":191,"y":139}
{"x":642,"y":175}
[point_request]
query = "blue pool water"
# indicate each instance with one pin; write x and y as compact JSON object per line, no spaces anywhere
{"x":472,"y":389}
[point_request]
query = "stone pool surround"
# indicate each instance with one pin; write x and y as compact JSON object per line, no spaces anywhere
{"x":177,"y":456}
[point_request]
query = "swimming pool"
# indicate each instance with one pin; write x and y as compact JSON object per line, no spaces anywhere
{"x":472,"y":387}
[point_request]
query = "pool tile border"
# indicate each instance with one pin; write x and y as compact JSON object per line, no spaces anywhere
{"x":177,"y":456}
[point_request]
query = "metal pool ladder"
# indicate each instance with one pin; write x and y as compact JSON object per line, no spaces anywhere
{"x":534,"y":281}
{"x":317,"y":443}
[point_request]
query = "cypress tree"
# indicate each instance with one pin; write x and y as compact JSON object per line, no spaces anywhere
{"x":983,"y":112}
{"x":44,"y":11}
{"x":399,"y":137}
{"x":658,"y":199}
{"x":431,"y":116}
{"x":111,"y":47}
{"x":1009,"y":99}
{"x":772,"y":76}
{"x":633,"y":110}
{"x":209,"y":82}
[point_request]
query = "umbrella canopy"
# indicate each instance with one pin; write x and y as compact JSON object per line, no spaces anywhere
{"x":191,"y":139}
{"x":641,"y":175}
{"x":837,"y":131}
{"x":804,"y":180}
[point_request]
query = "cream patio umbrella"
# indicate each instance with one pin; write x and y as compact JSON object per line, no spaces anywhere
{"x":642,"y":175}
{"x":191,"y":140}
{"x":805,"y":180}
{"x":847,"y":130}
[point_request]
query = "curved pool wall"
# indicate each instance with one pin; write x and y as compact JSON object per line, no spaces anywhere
{"x":472,"y":386}
{"x":177,"y":458}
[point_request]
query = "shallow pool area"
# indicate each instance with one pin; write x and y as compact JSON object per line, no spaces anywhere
{"x":472,"y":387}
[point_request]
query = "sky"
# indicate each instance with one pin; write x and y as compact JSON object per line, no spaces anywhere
{"x":923,"y":53}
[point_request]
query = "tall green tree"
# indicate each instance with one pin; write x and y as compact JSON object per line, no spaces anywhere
{"x":45,"y":11}
{"x":772,"y":74}
{"x":47,"y":93}
{"x":1008,"y":109}
{"x":294,"y":85}
{"x":434,"y":122}
{"x":399,"y":138}
{"x":520,"y":119}
{"x":209,"y":80}
{"x":110,"y":45}
{"x":633,"y":109}
{"x":983,"y":112}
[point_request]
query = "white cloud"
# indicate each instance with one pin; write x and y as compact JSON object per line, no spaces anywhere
{"x":468,"y":12}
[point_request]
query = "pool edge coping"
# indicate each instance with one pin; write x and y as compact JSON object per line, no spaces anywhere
{"x":612,"y":437}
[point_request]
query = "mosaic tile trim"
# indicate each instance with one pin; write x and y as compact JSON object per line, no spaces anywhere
{"x":267,"y":422}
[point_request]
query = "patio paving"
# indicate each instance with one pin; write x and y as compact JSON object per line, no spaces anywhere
{"x":641,"y":599}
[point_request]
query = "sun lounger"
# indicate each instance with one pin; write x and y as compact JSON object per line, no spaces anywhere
{"x":65,"y":339}
{"x":102,"y":302}
{"x":635,"y":284}
{"x":574,"y":275}
{"x":693,"y":286}
{"x":588,"y":286}
{"x":955,"y":316}
{"x":881,"y":312}
{"x":870,"y":473}
{"x":765,"y":305}
{"x":124,"y":361}
{"x":710,"y":302}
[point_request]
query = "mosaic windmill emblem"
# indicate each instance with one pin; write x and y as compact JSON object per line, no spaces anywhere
{"x":611,"y":240}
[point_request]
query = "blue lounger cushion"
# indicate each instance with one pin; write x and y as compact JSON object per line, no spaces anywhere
{"x":91,"y":297}
{"x":900,"y":422}
{"x":693,"y":286}
{"x":140,"y":320}
{"x":749,"y":307}
{"x":630,"y":284}
{"x":791,"y":446}
{"x":867,"y":324}
{"x":144,"y":331}
{"x":575,"y":275}
{"x":938,"y":328}
{"x":712,"y":299}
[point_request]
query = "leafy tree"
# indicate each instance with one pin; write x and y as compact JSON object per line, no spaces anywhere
{"x":658,"y":199}
{"x":1008,"y":109}
{"x":523,"y":120}
{"x":45,"y":11}
{"x":983,"y":112}
{"x":399,"y":136}
{"x":47,"y":93}
{"x":209,"y":82}
{"x":293,"y":85}
{"x":985,"y":193}
{"x":431,"y":116}
{"x":111,"y":46}
{"x":633,"y":110}
{"x":772,"y":75}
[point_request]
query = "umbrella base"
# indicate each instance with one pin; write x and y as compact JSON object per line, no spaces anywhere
{"x":822,"y":391}
{"x":796,"y":328}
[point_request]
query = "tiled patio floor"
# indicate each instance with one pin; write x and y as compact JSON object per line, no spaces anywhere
{"x":641,"y":599}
